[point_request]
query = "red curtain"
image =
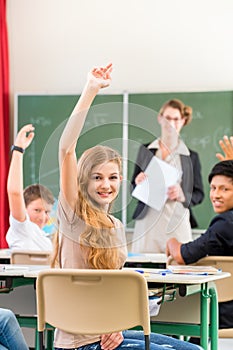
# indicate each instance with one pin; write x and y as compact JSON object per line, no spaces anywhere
{"x":4,"y":124}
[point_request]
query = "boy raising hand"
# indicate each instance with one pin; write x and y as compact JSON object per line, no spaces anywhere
{"x":29,"y":208}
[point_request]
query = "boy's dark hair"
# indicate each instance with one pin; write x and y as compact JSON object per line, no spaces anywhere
{"x":224,"y":168}
{"x":33,"y":192}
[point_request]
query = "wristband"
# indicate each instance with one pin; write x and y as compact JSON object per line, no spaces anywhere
{"x":17,"y":148}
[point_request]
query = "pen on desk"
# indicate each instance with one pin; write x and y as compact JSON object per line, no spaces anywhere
{"x":146,"y":274}
{"x":163,"y":273}
{"x":159,"y":272}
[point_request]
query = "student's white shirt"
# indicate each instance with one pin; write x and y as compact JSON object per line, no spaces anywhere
{"x":27,"y":236}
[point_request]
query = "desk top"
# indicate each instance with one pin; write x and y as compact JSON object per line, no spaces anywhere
{"x":162,"y":276}
{"x":137,"y":257}
{"x":5,"y":253}
{"x":5,"y":256}
{"x":21,"y":270}
{"x":151,"y":275}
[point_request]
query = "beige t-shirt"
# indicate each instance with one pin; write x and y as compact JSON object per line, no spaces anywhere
{"x":71,"y":256}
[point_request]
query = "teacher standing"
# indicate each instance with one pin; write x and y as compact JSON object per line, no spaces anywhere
{"x":152,"y":227}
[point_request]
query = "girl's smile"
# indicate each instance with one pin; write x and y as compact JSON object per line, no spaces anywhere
{"x":104,"y":183}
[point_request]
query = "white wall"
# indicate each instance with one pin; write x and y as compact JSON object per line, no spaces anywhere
{"x":155,"y":45}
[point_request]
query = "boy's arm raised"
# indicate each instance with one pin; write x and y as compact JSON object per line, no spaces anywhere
{"x":15,"y":175}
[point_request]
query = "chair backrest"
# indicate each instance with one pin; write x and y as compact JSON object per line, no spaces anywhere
{"x":92,"y":301}
{"x":26,"y":257}
{"x":224,"y":286}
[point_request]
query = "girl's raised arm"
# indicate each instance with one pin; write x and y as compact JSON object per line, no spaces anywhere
{"x":97,"y":78}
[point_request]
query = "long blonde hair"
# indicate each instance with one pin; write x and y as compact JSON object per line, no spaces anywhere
{"x":99,"y":241}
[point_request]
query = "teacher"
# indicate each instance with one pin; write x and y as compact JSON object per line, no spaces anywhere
{"x":152,"y":227}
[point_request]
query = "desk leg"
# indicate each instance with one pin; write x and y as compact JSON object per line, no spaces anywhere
{"x":50,"y":335}
{"x":213,"y":318}
{"x":204,"y":316}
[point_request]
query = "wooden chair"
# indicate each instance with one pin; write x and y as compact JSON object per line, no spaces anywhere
{"x":26,"y":257}
{"x":115,"y":299}
{"x":225,"y":286}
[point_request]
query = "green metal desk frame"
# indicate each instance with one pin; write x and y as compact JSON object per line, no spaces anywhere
{"x":208,"y":327}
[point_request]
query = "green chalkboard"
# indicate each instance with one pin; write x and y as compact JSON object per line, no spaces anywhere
{"x":212,"y":118}
{"x":49,"y":113}
{"x":106,"y":124}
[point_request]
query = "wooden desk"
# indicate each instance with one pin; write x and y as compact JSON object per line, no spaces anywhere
{"x":187,"y":285}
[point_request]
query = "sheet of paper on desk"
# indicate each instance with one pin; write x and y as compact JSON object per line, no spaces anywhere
{"x":153,"y":191}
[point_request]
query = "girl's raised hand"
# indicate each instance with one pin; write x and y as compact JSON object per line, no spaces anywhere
{"x":101,"y":76}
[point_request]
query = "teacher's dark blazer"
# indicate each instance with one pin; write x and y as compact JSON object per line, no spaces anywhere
{"x":191,"y":182}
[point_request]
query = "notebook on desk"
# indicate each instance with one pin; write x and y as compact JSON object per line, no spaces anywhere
{"x":193,"y":270}
{"x":156,"y":261}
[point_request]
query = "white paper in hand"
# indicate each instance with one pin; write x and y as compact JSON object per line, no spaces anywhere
{"x":153,"y":190}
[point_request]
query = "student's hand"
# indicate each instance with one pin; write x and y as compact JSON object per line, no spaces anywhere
{"x":227,"y":146}
{"x":111,"y":341}
{"x":173,"y":249}
{"x":175,"y":193}
{"x":25,"y":136}
{"x":100,"y":77}
{"x":168,"y":250}
{"x":140,"y":177}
